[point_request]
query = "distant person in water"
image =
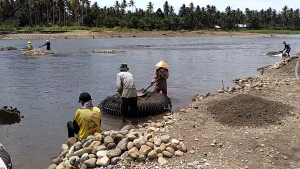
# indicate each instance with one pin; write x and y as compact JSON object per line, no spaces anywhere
{"x":5,"y":160}
{"x":287,"y":48}
{"x":47,"y":44}
{"x":29,"y":46}
{"x":87,"y":119}
{"x":160,"y":77}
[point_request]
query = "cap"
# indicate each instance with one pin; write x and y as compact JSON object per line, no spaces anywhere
{"x":84,"y":97}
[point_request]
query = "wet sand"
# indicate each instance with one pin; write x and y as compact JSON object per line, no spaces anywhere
{"x":111,"y":34}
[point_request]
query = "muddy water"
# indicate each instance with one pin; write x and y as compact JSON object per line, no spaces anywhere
{"x":46,"y":89}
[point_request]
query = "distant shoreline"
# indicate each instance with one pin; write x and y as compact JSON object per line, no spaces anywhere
{"x":86,"y":34}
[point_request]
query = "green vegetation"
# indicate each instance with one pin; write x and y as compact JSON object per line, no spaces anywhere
{"x":64,"y":15}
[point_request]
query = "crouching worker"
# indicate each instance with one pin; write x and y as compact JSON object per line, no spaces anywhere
{"x":87,"y":119}
{"x":5,"y":161}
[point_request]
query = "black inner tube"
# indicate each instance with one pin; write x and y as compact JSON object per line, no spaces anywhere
{"x":148,"y":105}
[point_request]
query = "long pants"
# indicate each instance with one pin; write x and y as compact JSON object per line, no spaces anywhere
{"x":5,"y":158}
{"x":73,"y":128}
{"x":164,"y":91}
{"x":129,"y":103}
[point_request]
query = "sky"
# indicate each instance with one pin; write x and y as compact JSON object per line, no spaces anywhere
{"x":220,"y":4}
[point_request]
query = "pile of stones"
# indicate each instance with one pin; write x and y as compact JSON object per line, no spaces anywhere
{"x":3,"y":48}
{"x":111,"y":51}
{"x":150,"y":142}
{"x":36,"y":52}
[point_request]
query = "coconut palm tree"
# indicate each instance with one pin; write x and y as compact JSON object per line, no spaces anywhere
{"x":150,"y":7}
{"x":131,"y":4}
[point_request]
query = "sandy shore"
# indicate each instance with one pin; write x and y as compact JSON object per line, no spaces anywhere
{"x":110,"y":34}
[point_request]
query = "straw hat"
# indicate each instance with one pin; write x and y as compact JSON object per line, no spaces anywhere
{"x":162,"y":64}
{"x":29,"y":42}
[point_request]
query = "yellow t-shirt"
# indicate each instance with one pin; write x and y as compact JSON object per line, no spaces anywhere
{"x":89,"y":121}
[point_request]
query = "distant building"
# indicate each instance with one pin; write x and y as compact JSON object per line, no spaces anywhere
{"x":241,"y":25}
{"x":217,"y":27}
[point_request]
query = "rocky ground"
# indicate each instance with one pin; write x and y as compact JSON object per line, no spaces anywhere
{"x":112,"y":34}
{"x":109,"y":51}
{"x":36,"y":52}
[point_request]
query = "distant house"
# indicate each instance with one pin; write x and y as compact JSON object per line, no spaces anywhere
{"x":217,"y":27}
{"x":241,"y":25}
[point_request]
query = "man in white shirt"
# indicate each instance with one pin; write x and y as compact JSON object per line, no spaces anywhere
{"x":126,"y":87}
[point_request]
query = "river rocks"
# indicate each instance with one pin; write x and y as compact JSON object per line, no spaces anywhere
{"x":108,"y":140}
{"x":84,"y":157}
{"x":52,"y":166}
{"x":36,"y":52}
{"x":111,"y":146}
{"x":94,"y":144}
{"x":78,"y":146}
{"x":115,"y":160}
{"x":139,"y":142}
{"x":130,"y":145}
{"x":106,"y":149}
{"x":162,"y":161}
{"x":134,"y":152}
{"x":98,"y":148}
{"x":152,"y":154}
{"x":91,"y":163}
{"x":162,"y":147}
{"x":104,"y":162}
{"x":122,"y":145}
{"x":64,"y":147}
{"x":4,"y":48}
{"x":113,"y":153}
{"x":167,"y":154}
{"x":165,"y":138}
{"x":71,"y":141}
{"x":57,"y":160}
{"x":102,"y":153}
{"x":145,"y":150}
{"x":178,"y":153}
{"x":157,"y":141}
{"x":111,"y":51}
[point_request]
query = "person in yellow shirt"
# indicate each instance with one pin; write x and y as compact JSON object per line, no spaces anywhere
{"x":87,"y":119}
{"x":29,"y":46}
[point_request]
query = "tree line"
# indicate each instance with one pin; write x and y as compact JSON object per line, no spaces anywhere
{"x":19,"y":13}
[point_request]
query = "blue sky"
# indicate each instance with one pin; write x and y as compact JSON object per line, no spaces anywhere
{"x":220,"y":4}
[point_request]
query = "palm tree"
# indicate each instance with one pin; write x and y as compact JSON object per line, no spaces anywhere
{"x":131,"y":4}
{"x":117,"y":5}
{"x":166,"y":8}
{"x":150,"y":7}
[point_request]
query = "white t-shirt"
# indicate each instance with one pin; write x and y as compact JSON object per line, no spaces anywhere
{"x":2,"y":165}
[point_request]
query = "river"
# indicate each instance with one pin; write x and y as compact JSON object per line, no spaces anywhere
{"x":46,"y":89}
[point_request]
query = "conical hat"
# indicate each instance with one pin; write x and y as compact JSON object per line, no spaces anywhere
{"x":162,"y":64}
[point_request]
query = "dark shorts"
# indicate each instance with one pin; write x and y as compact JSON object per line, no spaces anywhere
{"x":288,"y":50}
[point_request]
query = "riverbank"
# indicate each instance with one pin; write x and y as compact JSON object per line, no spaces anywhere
{"x":252,"y":125}
{"x":85,"y":34}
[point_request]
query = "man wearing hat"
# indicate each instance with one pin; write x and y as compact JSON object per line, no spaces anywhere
{"x":126,"y":87}
{"x":87,"y":119}
{"x":160,"y":77}
{"x":287,"y":48}
{"x":47,"y":44}
{"x":29,"y":46}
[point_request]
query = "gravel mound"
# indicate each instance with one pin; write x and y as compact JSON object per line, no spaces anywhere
{"x":247,"y":110}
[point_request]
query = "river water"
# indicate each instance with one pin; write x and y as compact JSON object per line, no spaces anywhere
{"x":46,"y":89}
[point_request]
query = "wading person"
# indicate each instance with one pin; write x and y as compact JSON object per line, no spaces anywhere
{"x":5,"y":161}
{"x":160,"y":77}
{"x":47,"y":44}
{"x":287,"y":48}
{"x":126,"y":87}
{"x":87,"y":119}
{"x":29,"y":46}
